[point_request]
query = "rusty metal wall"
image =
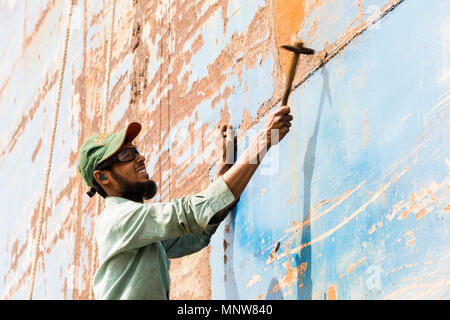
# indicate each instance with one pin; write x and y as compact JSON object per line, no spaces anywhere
{"x":353,"y":204}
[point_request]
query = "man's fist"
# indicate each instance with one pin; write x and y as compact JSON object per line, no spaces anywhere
{"x":277,"y":125}
{"x":225,"y":148}
{"x":225,"y":143}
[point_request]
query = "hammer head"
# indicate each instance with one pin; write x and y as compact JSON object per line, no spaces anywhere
{"x":298,"y":48}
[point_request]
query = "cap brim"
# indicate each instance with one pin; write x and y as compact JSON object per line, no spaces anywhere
{"x":129,"y":133}
{"x":133,"y":130}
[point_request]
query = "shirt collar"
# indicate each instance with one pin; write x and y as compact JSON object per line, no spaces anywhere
{"x":110,"y":201}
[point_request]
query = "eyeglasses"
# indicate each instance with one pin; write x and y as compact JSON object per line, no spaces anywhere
{"x":123,"y":156}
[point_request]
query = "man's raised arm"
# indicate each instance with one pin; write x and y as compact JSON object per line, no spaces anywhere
{"x":274,"y":130}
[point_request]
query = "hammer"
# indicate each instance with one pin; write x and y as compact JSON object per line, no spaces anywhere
{"x":297,"y":49}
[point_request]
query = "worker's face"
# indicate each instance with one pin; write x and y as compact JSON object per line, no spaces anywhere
{"x":130,"y":179}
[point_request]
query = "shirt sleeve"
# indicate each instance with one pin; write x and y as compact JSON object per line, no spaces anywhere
{"x":192,"y":243}
{"x":148,"y":223}
{"x":188,"y":244}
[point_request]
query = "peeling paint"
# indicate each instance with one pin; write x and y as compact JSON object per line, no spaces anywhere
{"x":362,"y":191}
{"x":331,"y":293}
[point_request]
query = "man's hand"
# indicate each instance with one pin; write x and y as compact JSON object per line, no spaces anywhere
{"x":225,"y":150}
{"x":225,"y":147}
{"x":277,"y":125}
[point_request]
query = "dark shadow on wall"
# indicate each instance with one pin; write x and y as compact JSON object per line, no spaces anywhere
{"x":231,"y":289}
{"x":274,"y":296}
{"x":304,"y":280}
{"x":304,"y":284}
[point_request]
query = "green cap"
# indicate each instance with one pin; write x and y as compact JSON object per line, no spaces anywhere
{"x":100,"y":147}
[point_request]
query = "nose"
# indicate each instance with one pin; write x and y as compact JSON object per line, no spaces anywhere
{"x":140,"y":158}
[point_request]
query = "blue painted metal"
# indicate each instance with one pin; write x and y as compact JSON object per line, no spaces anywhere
{"x":375,"y":120}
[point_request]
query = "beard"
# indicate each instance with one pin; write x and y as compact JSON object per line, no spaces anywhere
{"x":136,"y":191}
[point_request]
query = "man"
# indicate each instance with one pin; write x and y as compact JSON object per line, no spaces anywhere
{"x":136,"y":239}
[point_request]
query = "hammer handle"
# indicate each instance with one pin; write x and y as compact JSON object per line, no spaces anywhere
{"x":292,"y":69}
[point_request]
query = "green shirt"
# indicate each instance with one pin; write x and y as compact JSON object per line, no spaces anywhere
{"x":135,"y":240}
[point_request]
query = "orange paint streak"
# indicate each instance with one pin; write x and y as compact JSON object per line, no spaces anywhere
{"x":290,"y":277}
{"x":337,"y":201}
{"x":409,"y":238}
{"x":288,"y":18}
{"x":355,"y":265}
{"x":255,"y":278}
{"x":422,"y":202}
{"x":429,"y":289}
{"x":36,"y":150}
{"x":331,"y":293}
{"x":346,"y":220}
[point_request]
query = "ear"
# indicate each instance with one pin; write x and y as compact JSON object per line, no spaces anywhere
{"x":101,"y":177}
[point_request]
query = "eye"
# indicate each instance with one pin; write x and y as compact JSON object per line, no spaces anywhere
{"x":126,"y":155}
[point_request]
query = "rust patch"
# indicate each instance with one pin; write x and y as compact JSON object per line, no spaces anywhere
{"x":331,"y":293}
{"x":290,"y":277}
{"x":328,"y":233}
{"x":255,"y":279}
{"x":188,"y":277}
{"x":288,"y":17}
{"x":352,"y":267}
{"x":421,"y":202}
{"x":43,"y":92}
{"x":36,"y":150}
{"x":27,"y":40}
